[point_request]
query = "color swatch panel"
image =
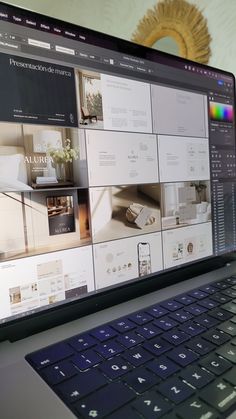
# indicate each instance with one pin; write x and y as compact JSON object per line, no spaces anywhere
{"x":221,"y":112}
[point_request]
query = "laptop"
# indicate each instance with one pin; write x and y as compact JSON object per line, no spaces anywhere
{"x":118,"y":228}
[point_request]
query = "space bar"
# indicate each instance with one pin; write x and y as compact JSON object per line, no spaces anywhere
{"x":105,"y":400}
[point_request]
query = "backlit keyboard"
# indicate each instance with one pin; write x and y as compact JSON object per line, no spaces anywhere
{"x":172,"y":360}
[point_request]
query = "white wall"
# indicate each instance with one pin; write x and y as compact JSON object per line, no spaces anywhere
{"x":120,"y":18}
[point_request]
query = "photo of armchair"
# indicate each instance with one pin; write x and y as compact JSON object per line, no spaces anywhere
{"x":87,"y":116}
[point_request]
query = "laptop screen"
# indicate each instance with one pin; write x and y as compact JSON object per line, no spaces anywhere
{"x":117,"y":163}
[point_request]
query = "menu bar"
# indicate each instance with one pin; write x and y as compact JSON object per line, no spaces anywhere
{"x":130,"y":62}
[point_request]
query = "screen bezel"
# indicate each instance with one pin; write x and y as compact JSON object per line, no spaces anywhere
{"x":55,"y":315}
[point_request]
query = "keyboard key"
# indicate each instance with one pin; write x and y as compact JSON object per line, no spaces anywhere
{"x":157,"y":311}
{"x":140,"y":318}
{"x":86,"y":359}
{"x":196,"y":409}
{"x":230,"y":376}
{"x":157,"y":346}
{"x":231,"y":307}
{"x":182,"y":356}
{"x":220,"y":314}
{"x":141,"y":380}
{"x":82,"y":342}
{"x":163,"y":367}
{"x":166,"y":323}
{"x":228,"y":352}
{"x":103,"y":333}
{"x":230,"y":292}
{"x":228,"y":327}
{"x":233,"y":319}
{"x":81,"y":385}
{"x":216,"y":336}
{"x":151,"y":406}
{"x":195,"y":309}
{"x":115,"y":367}
{"x":109,"y":349}
{"x":220,"y":395}
{"x":206,"y":321}
{"x":123,"y":325}
{"x":215,"y":364}
{"x":137,"y":356}
{"x":149,"y":331}
{"x":221,"y":285}
{"x":208,"y":303}
{"x":201,"y":346}
{"x":192,"y":329}
{"x":196,"y":376}
{"x":175,"y":337}
{"x":221,"y":298}
{"x":59,"y":372}
{"x":50,"y":355}
{"x":105,"y":401}
{"x":198,"y":294}
{"x":185,"y":299}
{"x":175,"y":390}
{"x":231,"y":280}
{"x":126,"y":412}
{"x":181,"y":316}
{"x":129,"y":340}
{"x":209,"y":289}
{"x":171,"y":305}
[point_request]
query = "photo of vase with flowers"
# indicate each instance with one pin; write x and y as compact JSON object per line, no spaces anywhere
{"x":62,"y":157}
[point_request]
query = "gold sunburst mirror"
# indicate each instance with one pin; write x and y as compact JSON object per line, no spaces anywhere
{"x":178,"y":27}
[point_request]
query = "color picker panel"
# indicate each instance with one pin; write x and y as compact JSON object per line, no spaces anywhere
{"x":221,"y":112}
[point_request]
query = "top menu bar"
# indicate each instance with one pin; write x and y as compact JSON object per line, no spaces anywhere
{"x":138,"y":53}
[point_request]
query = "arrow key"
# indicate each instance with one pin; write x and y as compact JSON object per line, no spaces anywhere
{"x":152,"y":406}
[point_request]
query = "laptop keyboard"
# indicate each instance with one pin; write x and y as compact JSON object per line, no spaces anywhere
{"x":172,"y":360}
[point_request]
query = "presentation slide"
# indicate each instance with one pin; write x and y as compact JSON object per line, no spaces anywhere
{"x":116,"y":158}
{"x":183,"y":158}
{"x":122,"y":260}
{"x":123,"y":211}
{"x":126,"y":104}
{"x":43,"y":221}
{"x":187,"y":244}
{"x":37,"y":92}
{"x":179,"y":112}
{"x":46,"y":279}
{"x":185,"y":203}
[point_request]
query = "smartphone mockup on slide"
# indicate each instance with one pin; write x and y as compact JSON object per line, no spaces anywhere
{"x":144,"y":259}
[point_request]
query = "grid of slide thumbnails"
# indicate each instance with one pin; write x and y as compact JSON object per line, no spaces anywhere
{"x":106,"y":181}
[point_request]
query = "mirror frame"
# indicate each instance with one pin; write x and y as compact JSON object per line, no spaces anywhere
{"x":180,"y":20}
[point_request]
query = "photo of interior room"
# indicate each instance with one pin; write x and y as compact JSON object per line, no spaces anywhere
{"x":38,"y":219}
{"x":185,"y":203}
{"x":36,"y":157}
{"x":90,"y":98}
{"x":124,"y":211}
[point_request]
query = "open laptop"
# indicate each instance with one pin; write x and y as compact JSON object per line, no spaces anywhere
{"x":118,"y":228}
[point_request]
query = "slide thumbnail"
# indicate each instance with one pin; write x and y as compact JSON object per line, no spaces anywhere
{"x":37,"y":92}
{"x":183,"y":158}
{"x":39,"y":222}
{"x":179,"y":112}
{"x":187,"y":244}
{"x":116,"y":158}
{"x":123,"y":211}
{"x":184,"y":203}
{"x":46,"y":279}
{"x":121,"y":260}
